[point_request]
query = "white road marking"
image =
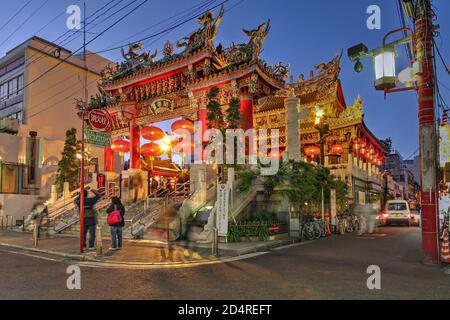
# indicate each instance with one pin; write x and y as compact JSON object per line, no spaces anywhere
{"x":137,"y":266}
{"x":31,"y":255}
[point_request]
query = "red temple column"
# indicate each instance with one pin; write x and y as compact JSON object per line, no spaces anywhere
{"x":108,"y":156}
{"x":135,"y":146}
{"x":246,"y":108}
{"x":203,"y":118}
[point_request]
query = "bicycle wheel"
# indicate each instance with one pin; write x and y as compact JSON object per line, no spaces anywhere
{"x":317,"y":231}
{"x":309,"y":232}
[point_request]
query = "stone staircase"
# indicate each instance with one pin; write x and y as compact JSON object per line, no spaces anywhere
{"x":153,"y":210}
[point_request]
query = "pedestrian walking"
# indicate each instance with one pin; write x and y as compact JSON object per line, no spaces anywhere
{"x":165,"y":221}
{"x":90,"y":215}
{"x":116,"y":221}
{"x":38,"y":212}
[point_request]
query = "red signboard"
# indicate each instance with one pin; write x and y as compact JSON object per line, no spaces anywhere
{"x":98,"y":119}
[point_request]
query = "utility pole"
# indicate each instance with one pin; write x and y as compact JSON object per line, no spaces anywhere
{"x":83,"y":117}
{"x":427,"y":132}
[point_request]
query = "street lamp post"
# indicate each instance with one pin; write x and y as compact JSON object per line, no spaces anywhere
{"x":423,"y":69}
{"x":323,"y":127}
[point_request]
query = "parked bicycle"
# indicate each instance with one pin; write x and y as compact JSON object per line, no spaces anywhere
{"x":311,"y":228}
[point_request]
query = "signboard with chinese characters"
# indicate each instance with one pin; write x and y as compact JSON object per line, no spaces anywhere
{"x":222,"y":209}
{"x":99,"y":120}
{"x":97,"y":138}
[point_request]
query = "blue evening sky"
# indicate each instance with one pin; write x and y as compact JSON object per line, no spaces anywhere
{"x":304,"y":33}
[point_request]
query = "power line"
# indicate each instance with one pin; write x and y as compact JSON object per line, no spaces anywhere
{"x":52,"y":20}
{"x":90,"y":41}
{"x":159,"y":33}
{"x":22,"y":24}
{"x":73,"y":93}
{"x":168,"y":19}
{"x":196,"y":7}
{"x":92,"y":16}
{"x":68,"y":31}
{"x":54,"y":41}
{"x":442,"y":58}
{"x":15,"y":15}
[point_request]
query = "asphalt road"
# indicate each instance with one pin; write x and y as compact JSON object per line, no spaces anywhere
{"x":327,"y":269}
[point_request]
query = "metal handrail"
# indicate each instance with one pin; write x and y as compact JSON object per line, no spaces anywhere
{"x":181,"y":189}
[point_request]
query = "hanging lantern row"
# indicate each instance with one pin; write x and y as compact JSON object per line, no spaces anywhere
{"x":367,"y":151}
{"x":152,"y":133}
{"x":151,"y":149}
{"x":183,"y":124}
{"x":337,"y":149}
{"x":312,"y":151}
{"x":121,"y":146}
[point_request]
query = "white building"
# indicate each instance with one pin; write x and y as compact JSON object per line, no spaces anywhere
{"x":35,"y":113}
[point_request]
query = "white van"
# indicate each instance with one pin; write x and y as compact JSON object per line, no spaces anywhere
{"x":397,"y":212}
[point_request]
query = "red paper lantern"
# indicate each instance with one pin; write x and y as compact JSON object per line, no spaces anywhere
{"x":152,"y":133}
{"x":183,"y":125}
{"x":179,"y":145}
{"x":337,"y":149}
{"x":151,"y":150}
{"x":120,"y":146}
{"x":312,"y":151}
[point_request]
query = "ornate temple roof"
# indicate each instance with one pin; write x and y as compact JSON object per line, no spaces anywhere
{"x":322,"y":88}
{"x":197,"y":49}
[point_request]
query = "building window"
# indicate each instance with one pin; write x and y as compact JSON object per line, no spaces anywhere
{"x":12,"y":87}
{"x":19,"y":84}
{"x":4,"y":90}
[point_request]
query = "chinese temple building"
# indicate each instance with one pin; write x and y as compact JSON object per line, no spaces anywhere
{"x":352,"y":152}
{"x":142,"y":91}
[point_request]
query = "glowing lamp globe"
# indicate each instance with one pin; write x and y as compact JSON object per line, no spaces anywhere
{"x":121,"y":146}
{"x":152,"y":133}
{"x":183,"y":125}
{"x":312,"y":151}
{"x":337,"y":149}
{"x":151,"y":150}
{"x":384,"y":63}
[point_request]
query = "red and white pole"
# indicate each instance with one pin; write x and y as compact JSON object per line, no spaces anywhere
{"x":83,"y":122}
{"x":427,"y":134}
{"x":82,"y":185}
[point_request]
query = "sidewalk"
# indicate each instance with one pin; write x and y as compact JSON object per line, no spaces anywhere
{"x":133,"y":252}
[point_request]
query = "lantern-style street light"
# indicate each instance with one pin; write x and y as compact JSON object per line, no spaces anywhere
{"x":384,"y":61}
{"x":384,"y":65}
{"x":420,"y":77}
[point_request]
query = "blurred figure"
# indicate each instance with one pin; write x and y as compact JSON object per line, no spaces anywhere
{"x":90,"y":215}
{"x":165,"y":222}
{"x":367,"y":216}
{"x":38,"y":212}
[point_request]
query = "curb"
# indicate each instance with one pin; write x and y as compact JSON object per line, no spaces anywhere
{"x":100,"y":260}
{"x":79,"y":257}
{"x":265,"y":247}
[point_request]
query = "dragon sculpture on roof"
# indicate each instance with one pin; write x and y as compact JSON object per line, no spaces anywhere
{"x":205,"y":35}
{"x":251,"y":50}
